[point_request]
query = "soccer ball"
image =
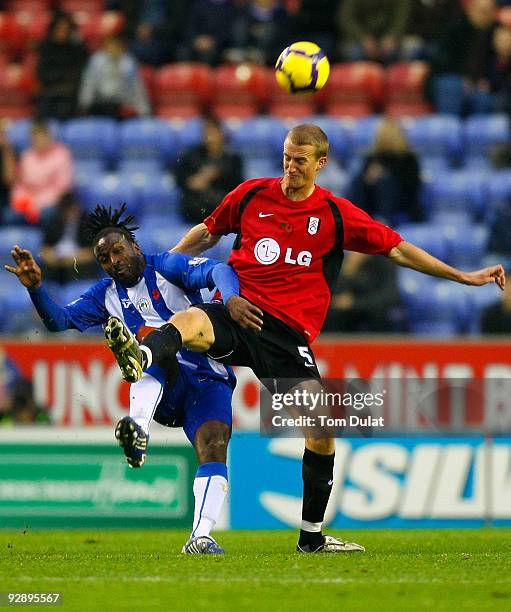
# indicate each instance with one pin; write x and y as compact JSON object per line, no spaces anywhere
{"x":302,"y":68}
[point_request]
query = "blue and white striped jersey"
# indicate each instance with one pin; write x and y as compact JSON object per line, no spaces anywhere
{"x":171,"y":283}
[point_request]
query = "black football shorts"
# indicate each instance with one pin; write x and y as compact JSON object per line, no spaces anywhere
{"x":276,"y":352}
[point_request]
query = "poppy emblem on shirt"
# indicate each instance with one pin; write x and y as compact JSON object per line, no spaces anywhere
{"x":313,"y":225}
{"x":156,"y":294}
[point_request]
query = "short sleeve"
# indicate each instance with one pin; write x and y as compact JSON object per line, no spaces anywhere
{"x":364,"y":234}
{"x":225,"y":219}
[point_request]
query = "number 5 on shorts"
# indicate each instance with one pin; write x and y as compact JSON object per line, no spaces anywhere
{"x":305,"y":353}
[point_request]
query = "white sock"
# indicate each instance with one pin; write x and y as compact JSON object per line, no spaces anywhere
{"x":210,"y":489}
{"x":144,"y":397}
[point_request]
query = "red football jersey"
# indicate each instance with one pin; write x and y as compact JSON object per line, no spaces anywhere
{"x":288,"y":254}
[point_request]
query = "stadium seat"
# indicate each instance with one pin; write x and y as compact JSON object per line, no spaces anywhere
{"x":404,"y":92}
{"x":19,"y":133}
{"x":239,"y":91}
{"x":109,"y":190}
{"x":160,"y":196}
{"x":148,"y":138}
{"x":483,"y":133}
{"x":99,"y":25}
{"x":480,"y":298}
{"x":92,"y":138}
{"x":466,"y":244}
{"x":260,"y":137}
{"x":499,"y":193}
{"x":433,"y":307}
{"x":25,"y":236}
{"x":353,"y":89}
{"x":146,"y":166}
{"x":436,"y":136}
{"x":456,"y":191}
{"x":363,"y":132}
{"x":158,"y":233}
{"x":260,"y":166}
{"x":182,"y":89}
{"x":87,"y":172}
{"x":428,"y":236}
{"x":338,"y":136}
{"x":189,"y":132}
{"x":17,"y":85}
{"x":17,"y":313}
{"x":284,"y":105}
{"x":11,"y":35}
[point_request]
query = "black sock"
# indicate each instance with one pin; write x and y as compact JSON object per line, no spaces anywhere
{"x":163,"y":343}
{"x":317,"y":474}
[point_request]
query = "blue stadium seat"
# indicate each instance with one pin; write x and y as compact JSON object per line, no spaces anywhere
{"x":19,"y":133}
{"x":160,"y":196}
{"x":147,"y":166}
{"x":479,"y":298}
{"x":483,"y":132}
{"x":158,"y":233}
{"x":466,"y":245}
{"x":433,"y":307}
{"x":148,"y":138}
{"x":109,"y":190}
{"x":427,"y":236}
{"x":25,"y":236}
{"x":17,"y":313}
{"x":93,"y":138}
{"x":259,"y":137}
{"x":437,"y":136}
{"x":456,"y":191}
{"x":188,"y":132}
{"x":338,"y":136}
{"x":499,"y":193}
{"x":260,"y":166}
{"x":363,"y":132}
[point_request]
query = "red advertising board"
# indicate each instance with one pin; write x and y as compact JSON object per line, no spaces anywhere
{"x":81,"y":385}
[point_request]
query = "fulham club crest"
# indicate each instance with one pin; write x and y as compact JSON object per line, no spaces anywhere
{"x":313,"y":225}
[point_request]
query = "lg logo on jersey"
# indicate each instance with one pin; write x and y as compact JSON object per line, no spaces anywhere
{"x":267,"y":252}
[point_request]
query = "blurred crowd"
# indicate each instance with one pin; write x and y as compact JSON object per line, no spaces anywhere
{"x":85,"y":70}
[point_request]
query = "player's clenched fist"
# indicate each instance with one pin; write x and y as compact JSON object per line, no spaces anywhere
{"x":27,"y":270}
{"x":245,"y":313}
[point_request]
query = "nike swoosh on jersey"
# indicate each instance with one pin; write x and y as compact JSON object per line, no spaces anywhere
{"x":266,"y":215}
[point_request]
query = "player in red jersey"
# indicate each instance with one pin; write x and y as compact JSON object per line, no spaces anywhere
{"x":291,"y":234}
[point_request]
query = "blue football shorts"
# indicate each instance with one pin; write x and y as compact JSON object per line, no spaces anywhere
{"x":195,"y":399}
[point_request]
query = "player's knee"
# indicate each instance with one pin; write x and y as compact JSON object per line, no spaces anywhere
{"x":321,"y":446}
{"x":211,"y":441}
{"x":195,"y":328}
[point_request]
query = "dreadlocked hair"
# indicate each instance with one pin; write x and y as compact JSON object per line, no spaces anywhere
{"x":103,"y":220}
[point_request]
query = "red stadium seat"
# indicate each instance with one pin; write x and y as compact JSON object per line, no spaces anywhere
{"x":17,"y":86}
{"x":33,"y":26}
{"x":405,"y":89}
{"x":354,"y":89}
{"x":11,"y":35}
{"x":34,"y":6}
{"x":147,"y":74}
{"x":182,"y":90}
{"x":239,"y":91}
{"x":287,"y":106}
{"x":504,"y":16}
{"x":87,"y":6}
{"x":95,"y":27}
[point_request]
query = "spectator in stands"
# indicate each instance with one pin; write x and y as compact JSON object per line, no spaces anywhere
{"x":388,"y":183}
{"x":316,"y":21}
{"x":461,"y":66}
{"x":206,"y":173}
{"x":65,"y":253}
{"x":262,"y":30}
{"x":496,"y":318}
{"x":372,"y":30}
{"x":20,"y":407}
{"x":111,"y":85}
{"x":209,"y":30}
{"x":153,"y":27}
{"x":366,"y":298}
{"x":500,"y":70}
{"x":7,"y":168}
{"x":61,"y":59}
{"x":44,"y":175}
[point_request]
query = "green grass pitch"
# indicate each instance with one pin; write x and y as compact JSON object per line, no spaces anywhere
{"x":144,"y":570}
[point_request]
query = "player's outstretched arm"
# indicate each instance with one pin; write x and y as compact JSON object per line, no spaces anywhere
{"x":408,"y":255}
{"x":29,"y":274}
{"x":196,"y":241}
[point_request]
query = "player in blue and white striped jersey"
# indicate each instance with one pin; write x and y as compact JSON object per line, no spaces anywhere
{"x":144,"y":291}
